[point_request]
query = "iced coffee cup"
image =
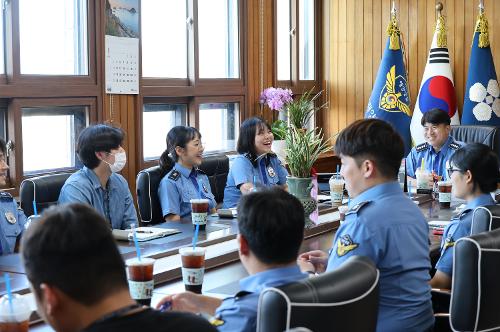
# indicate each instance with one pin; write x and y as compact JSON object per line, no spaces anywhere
{"x":424,"y":179}
{"x":199,"y":212}
{"x":193,"y":268}
{"x":15,"y":317}
{"x":336,"y":190}
{"x":140,"y":279}
{"x":444,"y":192}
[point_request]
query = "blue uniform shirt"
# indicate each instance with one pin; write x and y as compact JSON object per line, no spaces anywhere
{"x":434,"y":161}
{"x":12,"y":221}
{"x":239,"y":313}
{"x":387,"y":227}
{"x":178,"y":187}
{"x":269,"y":172}
{"x":460,"y":226}
{"x":115,"y":202}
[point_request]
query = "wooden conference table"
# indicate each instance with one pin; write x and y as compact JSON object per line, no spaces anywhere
{"x":222,"y":263}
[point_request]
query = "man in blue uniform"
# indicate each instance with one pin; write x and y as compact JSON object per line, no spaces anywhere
{"x":382,"y":224}
{"x":12,"y":218}
{"x":262,"y":218}
{"x":437,"y":149}
{"x":97,"y":183}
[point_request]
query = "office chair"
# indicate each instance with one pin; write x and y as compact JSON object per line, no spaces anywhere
{"x":341,"y":296}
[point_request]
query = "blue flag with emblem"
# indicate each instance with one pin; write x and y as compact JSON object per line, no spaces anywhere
{"x":481,"y":98}
{"x":390,"y":98}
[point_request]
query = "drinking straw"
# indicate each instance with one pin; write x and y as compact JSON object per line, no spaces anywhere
{"x":338,"y":172}
{"x":9,"y":292}
{"x":34,"y":208}
{"x":254,"y":183}
{"x":422,"y":166}
{"x":137,"y":248}
{"x":195,"y":237}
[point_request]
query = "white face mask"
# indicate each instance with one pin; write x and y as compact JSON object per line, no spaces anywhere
{"x":120,"y":161}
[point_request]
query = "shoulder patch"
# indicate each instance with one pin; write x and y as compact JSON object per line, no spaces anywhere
{"x":421,"y":147}
{"x":5,"y":196}
{"x":357,"y":207}
{"x":448,"y":243}
{"x":345,"y":244}
{"x":454,"y":146}
{"x":174,"y":175}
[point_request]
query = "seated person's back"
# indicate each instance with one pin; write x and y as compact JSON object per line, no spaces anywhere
{"x":263,"y":217}
{"x":79,"y":281}
{"x":98,"y":184}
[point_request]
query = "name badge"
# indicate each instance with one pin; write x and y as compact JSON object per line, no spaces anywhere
{"x":10,"y":217}
{"x":271,"y":172}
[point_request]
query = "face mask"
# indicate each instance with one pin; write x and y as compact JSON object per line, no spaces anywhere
{"x":120,"y":161}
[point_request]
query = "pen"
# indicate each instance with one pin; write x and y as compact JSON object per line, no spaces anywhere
{"x":165,"y":306}
{"x":145,"y":232}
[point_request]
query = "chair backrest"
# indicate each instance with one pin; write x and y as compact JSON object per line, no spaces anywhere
{"x":475,"y":292}
{"x":148,"y":181}
{"x":44,"y":190}
{"x":488,"y":135}
{"x":345,"y":299}
{"x":485,"y":219}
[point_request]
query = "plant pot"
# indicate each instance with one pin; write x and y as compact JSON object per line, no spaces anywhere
{"x":279,"y":147}
{"x":301,"y":188}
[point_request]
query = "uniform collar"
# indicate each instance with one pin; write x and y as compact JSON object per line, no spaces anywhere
{"x":377,"y":191}
{"x":273,"y":277}
{"x":445,"y":146}
{"x":94,"y":179}
{"x":482,"y":200}
{"x":183,"y":170}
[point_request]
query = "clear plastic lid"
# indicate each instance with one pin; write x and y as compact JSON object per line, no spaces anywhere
{"x":20,"y":310}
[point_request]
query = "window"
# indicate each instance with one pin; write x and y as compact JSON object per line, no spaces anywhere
{"x":157,"y":120}
{"x":283,"y":35}
{"x":306,"y":39}
{"x":2,"y":60}
{"x":219,"y":124}
{"x":49,"y":137}
{"x":218,"y":38}
{"x":164,"y":56}
{"x":53,"y":37}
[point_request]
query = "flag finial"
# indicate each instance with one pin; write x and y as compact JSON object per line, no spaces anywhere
{"x":482,"y":27}
{"x":393,"y":30}
{"x":442,"y":40}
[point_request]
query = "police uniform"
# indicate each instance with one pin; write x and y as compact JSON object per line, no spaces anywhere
{"x":434,"y":161}
{"x":460,"y":226}
{"x":387,"y":227}
{"x":12,"y":221}
{"x":114,"y":203}
{"x":239,"y":313}
{"x":179,"y":186}
{"x":268,"y":171}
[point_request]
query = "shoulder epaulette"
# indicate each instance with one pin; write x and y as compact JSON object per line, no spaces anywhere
{"x":241,"y":294}
{"x":200,"y":171}
{"x":455,"y":146}
{"x":4,"y":196}
{"x":356,"y":208}
{"x":421,"y":147}
{"x":174,"y":175}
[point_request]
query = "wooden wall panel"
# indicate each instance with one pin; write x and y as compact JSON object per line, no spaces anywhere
{"x":358,"y":37}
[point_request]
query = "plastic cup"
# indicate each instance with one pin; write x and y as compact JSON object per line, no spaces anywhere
{"x":444,"y":192}
{"x":193,"y":268}
{"x":336,"y":190}
{"x":199,"y":212}
{"x":15,"y":318}
{"x":423,"y":179}
{"x":342,"y":211}
{"x":140,"y":279}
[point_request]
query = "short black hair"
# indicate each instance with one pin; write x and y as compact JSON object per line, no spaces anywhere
{"x":435,"y":116}
{"x":95,"y":138}
{"x":71,"y":248}
{"x":3,"y":147}
{"x":246,"y":139}
{"x":268,"y":215}
{"x":372,"y":139}
{"x":482,"y":162}
{"x":177,"y":136}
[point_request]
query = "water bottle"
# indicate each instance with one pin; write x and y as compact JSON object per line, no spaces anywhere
{"x":402,"y":174}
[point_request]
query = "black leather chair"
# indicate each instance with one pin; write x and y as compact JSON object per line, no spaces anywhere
{"x":485,"y":218}
{"x":475,"y":293}
{"x":489,"y":135}
{"x":345,"y":299}
{"x":216,"y":167}
{"x":44,"y":190}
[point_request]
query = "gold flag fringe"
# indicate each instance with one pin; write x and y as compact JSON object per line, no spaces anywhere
{"x":394,"y":33}
{"x":442,"y":40}
{"x":482,"y":28}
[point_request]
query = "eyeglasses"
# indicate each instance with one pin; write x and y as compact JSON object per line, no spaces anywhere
{"x":450,"y":170}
